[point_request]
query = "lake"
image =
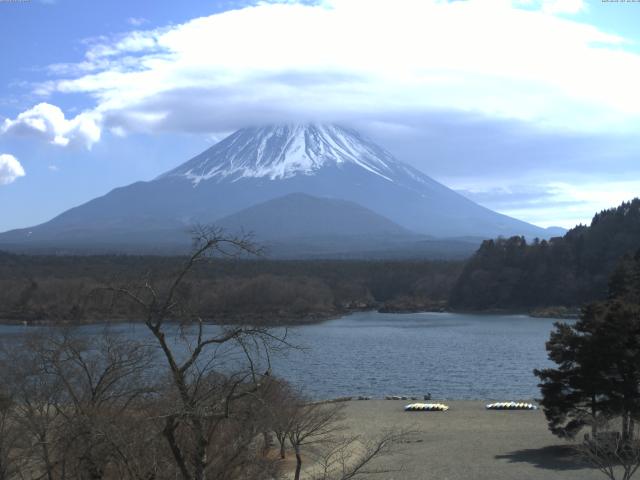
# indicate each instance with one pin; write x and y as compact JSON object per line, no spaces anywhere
{"x":454,"y":356}
{"x":450,"y":355}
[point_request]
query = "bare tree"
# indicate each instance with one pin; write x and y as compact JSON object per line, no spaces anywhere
{"x":280,"y":404}
{"x":78,"y":400}
{"x":36,"y":406}
{"x":616,"y":456}
{"x":10,"y":435}
{"x":204,"y":389}
{"x":103,"y":379}
{"x":318,"y":429}
{"x":351,"y":457}
{"x":95,"y":407}
{"x":313,"y":424}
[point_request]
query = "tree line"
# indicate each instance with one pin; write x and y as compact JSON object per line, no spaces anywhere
{"x":71,"y":289}
{"x":513,"y":274}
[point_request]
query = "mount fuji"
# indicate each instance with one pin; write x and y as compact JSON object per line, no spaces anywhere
{"x":248,"y":180}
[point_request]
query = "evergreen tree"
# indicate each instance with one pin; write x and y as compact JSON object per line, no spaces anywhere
{"x":565,"y":271}
{"x":598,"y":361}
{"x":572,"y":392}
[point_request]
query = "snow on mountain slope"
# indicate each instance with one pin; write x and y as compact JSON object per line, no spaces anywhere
{"x":284,"y":151}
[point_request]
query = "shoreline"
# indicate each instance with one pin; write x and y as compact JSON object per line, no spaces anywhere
{"x":310,"y":319}
{"x":419,"y":399}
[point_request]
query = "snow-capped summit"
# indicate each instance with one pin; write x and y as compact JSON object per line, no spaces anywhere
{"x":282,"y":151}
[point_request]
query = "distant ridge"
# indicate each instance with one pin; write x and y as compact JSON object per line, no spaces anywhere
{"x":299,"y":215}
{"x":256,"y":165}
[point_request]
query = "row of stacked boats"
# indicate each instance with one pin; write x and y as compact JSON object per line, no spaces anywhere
{"x":511,"y":406}
{"x":426,"y":407}
{"x":441,"y":407}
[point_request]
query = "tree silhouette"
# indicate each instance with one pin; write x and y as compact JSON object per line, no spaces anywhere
{"x":598,"y":362}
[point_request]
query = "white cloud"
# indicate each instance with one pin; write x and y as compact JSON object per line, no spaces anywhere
{"x":564,"y":6}
{"x":48,"y":122}
{"x":358,"y":59}
{"x":136,"y":21}
{"x":554,"y":7}
{"x":556,"y":203}
{"x":10,"y":169}
{"x":134,"y":42}
{"x":597,"y":196}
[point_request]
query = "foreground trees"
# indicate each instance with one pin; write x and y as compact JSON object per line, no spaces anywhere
{"x":173,"y":399}
{"x":96,"y":406}
{"x":597,"y":381}
{"x":78,"y":406}
{"x":614,"y":457}
{"x":204,"y":396}
{"x":598,"y":358}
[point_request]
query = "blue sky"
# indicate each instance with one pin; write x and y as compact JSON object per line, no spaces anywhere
{"x":529,"y":107}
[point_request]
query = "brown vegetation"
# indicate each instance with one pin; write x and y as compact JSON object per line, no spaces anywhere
{"x":71,"y":289}
{"x":188,"y":404}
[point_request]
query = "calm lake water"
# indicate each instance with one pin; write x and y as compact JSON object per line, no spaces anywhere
{"x":451,"y":356}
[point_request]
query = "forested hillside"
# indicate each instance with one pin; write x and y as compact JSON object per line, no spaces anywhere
{"x":504,"y":274}
{"x":71,"y":288}
{"x":564,"y":271}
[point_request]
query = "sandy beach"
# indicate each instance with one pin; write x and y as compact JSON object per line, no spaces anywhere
{"x":469,"y":443}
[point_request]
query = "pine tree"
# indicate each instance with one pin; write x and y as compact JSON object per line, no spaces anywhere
{"x":571,"y":393}
{"x":598,"y":361}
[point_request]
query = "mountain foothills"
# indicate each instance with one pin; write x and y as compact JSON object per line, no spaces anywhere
{"x":504,"y":274}
{"x":286,"y":183}
{"x":564,"y":271}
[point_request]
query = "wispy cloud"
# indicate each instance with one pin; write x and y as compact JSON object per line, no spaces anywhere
{"x":514,"y":196}
{"x":289,"y":60}
{"x":555,"y":7}
{"x":564,"y":6}
{"x":137,"y":21}
{"x":10,"y":169}
{"x":555,"y":203}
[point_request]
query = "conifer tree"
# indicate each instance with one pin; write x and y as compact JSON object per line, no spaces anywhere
{"x":598,"y":361}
